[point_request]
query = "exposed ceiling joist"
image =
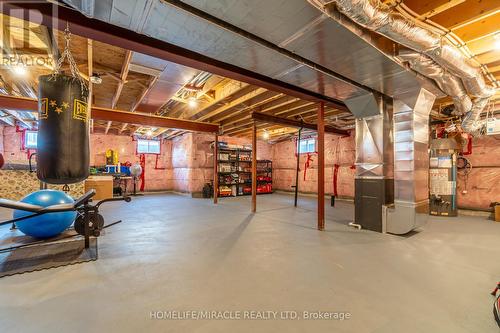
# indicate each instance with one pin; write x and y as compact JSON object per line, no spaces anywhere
{"x":290,"y":112}
{"x":253,"y":104}
{"x":274,"y":130}
{"x":152,"y":120}
{"x":311,"y":115}
{"x":18,"y":117}
{"x":123,"y":128}
{"x":9,"y":120}
{"x":285,"y":103}
{"x":136,"y":118}
{"x":465,"y":13}
{"x":233,"y":89}
{"x":104,"y":32}
{"x":233,"y":103}
{"x":108,"y":126}
{"x":123,"y":78}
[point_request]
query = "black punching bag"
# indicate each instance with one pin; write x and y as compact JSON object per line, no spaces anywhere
{"x":63,"y":130}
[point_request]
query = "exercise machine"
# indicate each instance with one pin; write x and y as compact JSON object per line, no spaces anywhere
{"x":88,"y":224}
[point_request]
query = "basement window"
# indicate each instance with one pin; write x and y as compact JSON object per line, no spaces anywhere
{"x":30,"y":138}
{"x":148,"y":146}
{"x":307,"y":146}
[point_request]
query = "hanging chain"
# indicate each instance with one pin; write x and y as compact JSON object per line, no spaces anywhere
{"x":67,"y":55}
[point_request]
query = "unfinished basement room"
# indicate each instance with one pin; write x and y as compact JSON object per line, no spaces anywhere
{"x":250,"y":166}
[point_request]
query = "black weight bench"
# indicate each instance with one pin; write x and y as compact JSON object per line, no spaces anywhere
{"x":87,"y":223}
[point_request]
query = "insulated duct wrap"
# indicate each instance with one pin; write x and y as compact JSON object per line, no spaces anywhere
{"x":439,"y":60}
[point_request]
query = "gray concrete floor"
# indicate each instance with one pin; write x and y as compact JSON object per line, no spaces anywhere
{"x":177,"y":253}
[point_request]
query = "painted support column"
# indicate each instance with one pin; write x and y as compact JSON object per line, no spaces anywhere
{"x":254,"y":167}
{"x":297,"y":169}
{"x":216,"y":168}
{"x":321,"y":166}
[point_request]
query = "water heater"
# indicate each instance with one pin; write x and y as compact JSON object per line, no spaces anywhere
{"x":443,"y":177}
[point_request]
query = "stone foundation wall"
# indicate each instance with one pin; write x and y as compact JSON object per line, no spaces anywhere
{"x":15,"y":184}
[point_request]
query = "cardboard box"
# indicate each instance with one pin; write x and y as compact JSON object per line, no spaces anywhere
{"x":103,"y":185}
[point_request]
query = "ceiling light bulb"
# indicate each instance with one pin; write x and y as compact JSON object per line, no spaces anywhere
{"x":265,"y":135}
{"x":96,"y":79}
{"x":149,"y":133}
{"x":497,"y":41}
{"x":192,"y":102}
{"x":20,"y":70}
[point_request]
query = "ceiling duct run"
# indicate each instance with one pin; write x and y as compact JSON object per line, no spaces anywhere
{"x":434,"y":58}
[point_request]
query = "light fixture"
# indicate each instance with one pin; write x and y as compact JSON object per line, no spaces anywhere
{"x":496,"y":37}
{"x":265,"y":135}
{"x":192,"y":102}
{"x":96,"y":78}
{"x":149,"y":133}
{"x":19,"y":70}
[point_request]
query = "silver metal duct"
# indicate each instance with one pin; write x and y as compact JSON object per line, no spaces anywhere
{"x":442,"y":61}
{"x":411,"y":162}
{"x":299,"y":29}
{"x":448,"y":83}
{"x":374,"y":148}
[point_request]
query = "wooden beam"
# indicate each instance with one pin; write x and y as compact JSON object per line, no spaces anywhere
{"x":258,"y":116}
{"x":483,"y":45}
{"x":466,"y":13}
{"x":139,"y":99}
{"x":8,"y":120}
{"x":18,"y":117}
{"x":210,"y":84}
{"x":216,"y":168}
{"x":108,"y":126}
{"x":18,"y":103}
{"x":145,"y":119}
{"x":308,"y":115}
{"x":255,"y":103}
{"x":174,"y":133}
{"x":227,"y":89}
{"x":265,"y":126}
{"x":254,"y":168}
{"x":124,"y":126}
{"x":321,"y":166}
{"x":111,"y":34}
{"x":439,"y":9}
{"x":424,"y":6}
{"x":123,"y":78}
{"x":232,"y":104}
{"x":274,"y":108}
{"x":479,"y":29}
{"x":292,"y":111}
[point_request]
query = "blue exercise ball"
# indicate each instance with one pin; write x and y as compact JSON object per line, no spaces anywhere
{"x":45,"y":225}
